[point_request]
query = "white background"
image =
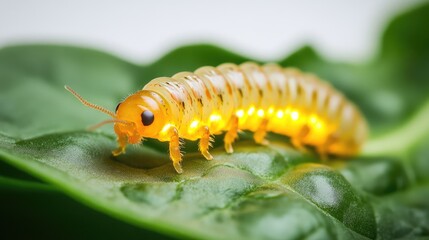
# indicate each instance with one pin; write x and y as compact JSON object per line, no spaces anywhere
{"x":142,"y":31}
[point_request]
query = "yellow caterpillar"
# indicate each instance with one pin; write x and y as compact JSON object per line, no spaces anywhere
{"x":229,"y":98}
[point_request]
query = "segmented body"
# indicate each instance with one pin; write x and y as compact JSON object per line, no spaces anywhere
{"x":229,"y":98}
{"x":295,"y":104}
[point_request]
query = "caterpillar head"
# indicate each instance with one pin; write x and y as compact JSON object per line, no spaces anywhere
{"x":143,"y":114}
{"x":139,"y":115}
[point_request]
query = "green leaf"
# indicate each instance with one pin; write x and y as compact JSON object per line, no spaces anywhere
{"x":269,"y":192}
{"x":35,"y":209}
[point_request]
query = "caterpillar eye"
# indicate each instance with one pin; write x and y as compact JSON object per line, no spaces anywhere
{"x":147,"y":117}
{"x":117,"y":106}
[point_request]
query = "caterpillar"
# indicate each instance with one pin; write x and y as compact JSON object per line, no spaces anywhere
{"x":229,"y":98}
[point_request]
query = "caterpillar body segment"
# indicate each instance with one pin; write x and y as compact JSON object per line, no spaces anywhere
{"x":229,"y":98}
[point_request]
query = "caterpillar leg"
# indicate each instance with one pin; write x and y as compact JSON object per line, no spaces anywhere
{"x":322,"y":150}
{"x":174,"y":146}
{"x":261,"y":133}
{"x":231,"y":135}
{"x":297,"y":139}
{"x":122,"y":143}
{"x":204,"y":143}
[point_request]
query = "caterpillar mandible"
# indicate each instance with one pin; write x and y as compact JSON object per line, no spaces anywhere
{"x":229,"y":98}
